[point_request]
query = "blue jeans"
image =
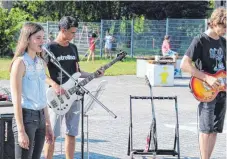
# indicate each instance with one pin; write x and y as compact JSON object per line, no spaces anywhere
{"x":35,"y":128}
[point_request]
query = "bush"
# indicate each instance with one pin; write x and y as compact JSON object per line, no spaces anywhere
{"x":11,"y":23}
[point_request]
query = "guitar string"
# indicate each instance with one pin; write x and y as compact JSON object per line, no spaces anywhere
{"x":59,"y":117}
{"x":61,"y":131}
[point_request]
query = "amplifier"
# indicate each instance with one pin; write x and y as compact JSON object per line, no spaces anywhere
{"x":6,"y":137}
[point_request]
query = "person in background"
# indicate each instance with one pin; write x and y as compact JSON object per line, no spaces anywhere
{"x":108,"y":44}
{"x":166,"y":51}
{"x":50,"y":38}
{"x":92,"y":41}
{"x":208,"y":53}
{"x":31,"y":122}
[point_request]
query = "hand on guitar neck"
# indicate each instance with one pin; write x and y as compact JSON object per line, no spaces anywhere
{"x":101,"y":72}
{"x":60,"y":90}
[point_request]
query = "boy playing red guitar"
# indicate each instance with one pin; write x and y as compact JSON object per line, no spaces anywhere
{"x":208,"y":52}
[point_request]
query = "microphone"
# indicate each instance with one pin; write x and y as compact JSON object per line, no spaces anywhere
{"x":49,"y":52}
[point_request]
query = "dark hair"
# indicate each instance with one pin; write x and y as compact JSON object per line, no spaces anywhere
{"x":67,"y":22}
{"x":166,"y":37}
{"x":37,"y":28}
{"x":93,"y":35}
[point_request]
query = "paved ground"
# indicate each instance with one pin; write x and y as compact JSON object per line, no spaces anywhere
{"x":108,"y":137}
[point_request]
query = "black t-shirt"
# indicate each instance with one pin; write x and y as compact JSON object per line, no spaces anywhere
{"x":67,"y":56}
{"x":208,"y":54}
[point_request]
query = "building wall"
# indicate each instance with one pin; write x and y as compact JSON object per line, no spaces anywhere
{"x":6,"y":4}
{"x":220,"y":3}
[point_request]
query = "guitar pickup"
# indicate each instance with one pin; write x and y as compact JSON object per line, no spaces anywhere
{"x":67,"y":95}
{"x":60,"y":98}
{"x":54,"y":103}
{"x":70,"y":91}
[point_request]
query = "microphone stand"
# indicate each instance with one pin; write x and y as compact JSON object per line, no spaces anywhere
{"x":81,"y":91}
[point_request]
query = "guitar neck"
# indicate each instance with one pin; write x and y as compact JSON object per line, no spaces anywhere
{"x":96,"y":73}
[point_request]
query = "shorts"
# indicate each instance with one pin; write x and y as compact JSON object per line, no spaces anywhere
{"x":170,"y":53}
{"x":72,"y":118}
{"x":108,"y":46}
{"x":92,"y":48}
{"x":212,"y":114}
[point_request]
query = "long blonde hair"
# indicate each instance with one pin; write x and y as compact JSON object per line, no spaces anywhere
{"x":27,"y":31}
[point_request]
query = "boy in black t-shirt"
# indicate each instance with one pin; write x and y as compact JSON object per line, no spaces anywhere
{"x":208,"y":52}
{"x":67,"y":55}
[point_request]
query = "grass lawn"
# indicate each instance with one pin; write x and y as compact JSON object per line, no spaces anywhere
{"x":128,"y":67}
{"x":4,"y":68}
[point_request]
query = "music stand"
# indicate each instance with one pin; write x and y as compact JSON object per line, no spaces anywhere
{"x":90,"y":105}
{"x":97,"y":93}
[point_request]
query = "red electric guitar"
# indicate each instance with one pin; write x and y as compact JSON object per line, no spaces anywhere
{"x":203,"y":91}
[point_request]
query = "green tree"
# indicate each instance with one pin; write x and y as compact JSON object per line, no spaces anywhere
{"x":165,"y":9}
{"x":96,"y":10}
{"x":11,"y":23}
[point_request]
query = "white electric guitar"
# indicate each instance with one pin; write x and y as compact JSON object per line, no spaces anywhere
{"x":62,"y":103}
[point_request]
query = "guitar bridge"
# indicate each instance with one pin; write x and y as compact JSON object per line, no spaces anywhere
{"x":207,"y":88}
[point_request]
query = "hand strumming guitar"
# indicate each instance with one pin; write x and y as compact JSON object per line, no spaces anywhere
{"x":213,"y":82}
{"x":58,"y":89}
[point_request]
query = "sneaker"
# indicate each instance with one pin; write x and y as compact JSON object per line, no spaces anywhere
{"x":177,"y":73}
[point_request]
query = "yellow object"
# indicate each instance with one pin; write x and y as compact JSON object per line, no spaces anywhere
{"x":160,"y":74}
{"x":164,"y":75}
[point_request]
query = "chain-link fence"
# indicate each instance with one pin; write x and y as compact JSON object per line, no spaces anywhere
{"x":136,"y":37}
{"x":182,"y":32}
{"x":81,"y":39}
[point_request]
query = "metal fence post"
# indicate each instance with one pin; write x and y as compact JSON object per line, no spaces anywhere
{"x":101,"y":37}
{"x":205,"y":21}
{"x":167,"y":26}
{"x":132,"y":36}
{"x":47,"y":24}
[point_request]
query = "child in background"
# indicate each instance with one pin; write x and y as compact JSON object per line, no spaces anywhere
{"x":167,"y":52}
{"x":92,"y":41}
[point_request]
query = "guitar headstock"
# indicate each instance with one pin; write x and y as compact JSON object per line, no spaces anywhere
{"x":121,"y":55}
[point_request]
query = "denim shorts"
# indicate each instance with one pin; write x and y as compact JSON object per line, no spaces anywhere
{"x":170,"y":53}
{"x":212,"y":114}
{"x":72,"y":118}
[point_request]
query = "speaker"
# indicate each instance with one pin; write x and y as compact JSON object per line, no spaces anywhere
{"x":6,"y":137}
